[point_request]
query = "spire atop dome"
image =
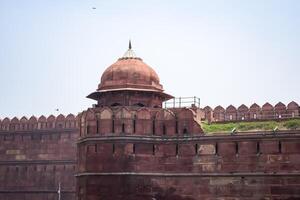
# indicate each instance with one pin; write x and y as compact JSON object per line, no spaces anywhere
{"x":129,"y":54}
{"x":129,"y":44}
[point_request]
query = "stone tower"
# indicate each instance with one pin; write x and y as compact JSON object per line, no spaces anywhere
{"x":127,"y":131}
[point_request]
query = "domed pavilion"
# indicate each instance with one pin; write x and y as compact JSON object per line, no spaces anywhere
{"x":130,"y":82}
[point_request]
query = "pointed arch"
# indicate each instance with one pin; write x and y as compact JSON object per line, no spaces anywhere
{"x":106,"y":121}
{"x":33,"y":123}
{"x":293,"y":109}
{"x":70,"y":121}
{"x":242,"y":112}
{"x":123,"y":121}
{"x":208,"y":113}
{"x":219,"y":113}
{"x":186,"y":119}
{"x":90,"y":122}
{"x":230,"y":113}
{"x":51,"y":121}
{"x":24,"y":123}
{"x":267,"y":111}
{"x":15,"y":124}
{"x":280,"y":110}
{"x":42,"y":122}
{"x":165,"y":122}
{"x":60,"y":121}
{"x":5,"y":124}
{"x":254,"y":112}
{"x":143,"y":122}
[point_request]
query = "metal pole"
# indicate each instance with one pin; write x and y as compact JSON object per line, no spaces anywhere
{"x":59,"y":192}
{"x":179,"y":102}
{"x":174,"y":102}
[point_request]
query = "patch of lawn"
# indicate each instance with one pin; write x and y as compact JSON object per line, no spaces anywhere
{"x":292,"y":124}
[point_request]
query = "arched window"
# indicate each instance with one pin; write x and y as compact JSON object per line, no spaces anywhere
{"x":164,"y":129}
{"x":185,"y":131}
{"x":116,"y":104}
{"x":134,"y":124}
{"x":139,"y":105}
{"x":123,"y":128}
{"x":113,"y":124}
{"x":153,"y":127}
{"x":88,"y":129}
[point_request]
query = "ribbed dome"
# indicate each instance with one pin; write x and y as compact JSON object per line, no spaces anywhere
{"x":132,"y":76}
{"x":129,"y":73}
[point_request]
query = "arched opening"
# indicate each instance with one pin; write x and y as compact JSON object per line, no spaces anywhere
{"x":164,"y":129}
{"x":123,"y":128}
{"x":185,"y":131}
{"x":115,"y":104}
{"x":139,"y":105}
{"x":88,"y":129}
{"x":133,"y":148}
{"x":153,"y":127}
{"x":134,"y":124}
{"x":113,"y":124}
{"x":97,"y":124}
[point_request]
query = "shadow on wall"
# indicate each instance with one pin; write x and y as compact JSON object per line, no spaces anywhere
{"x":169,"y":194}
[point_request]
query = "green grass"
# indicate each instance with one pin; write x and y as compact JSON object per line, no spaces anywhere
{"x":292,"y":124}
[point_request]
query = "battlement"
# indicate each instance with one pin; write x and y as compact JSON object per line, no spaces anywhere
{"x":139,"y":121}
{"x":41,"y":123}
{"x":253,"y":113}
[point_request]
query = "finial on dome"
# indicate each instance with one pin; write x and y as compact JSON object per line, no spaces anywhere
{"x":129,"y":54}
{"x":129,"y":44}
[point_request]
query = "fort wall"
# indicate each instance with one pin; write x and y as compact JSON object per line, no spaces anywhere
{"x":248,"y":166}
{"x":253,"y":113}
{"x":37,"y":155}
{"x":143,"y":153}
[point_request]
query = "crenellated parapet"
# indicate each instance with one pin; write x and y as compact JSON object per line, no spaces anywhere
{"x":41,"y":123}
{"x":123,"y":120}
{"x":252,"y":113}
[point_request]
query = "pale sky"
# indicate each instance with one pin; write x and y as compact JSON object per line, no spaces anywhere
{"x":53,"y":52}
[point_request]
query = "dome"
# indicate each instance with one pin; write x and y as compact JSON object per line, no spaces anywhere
{"x":129,"y":73}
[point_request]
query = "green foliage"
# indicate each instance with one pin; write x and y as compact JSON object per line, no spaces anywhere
{"x":251,"y":126}
{"x":292,"y":124}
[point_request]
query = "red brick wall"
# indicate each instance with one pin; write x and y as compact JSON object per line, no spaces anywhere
{"x":35,"y":159}
{"x":194,"y":167}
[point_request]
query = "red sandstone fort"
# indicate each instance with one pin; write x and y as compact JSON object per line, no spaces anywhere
{"x":138,"y":142}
